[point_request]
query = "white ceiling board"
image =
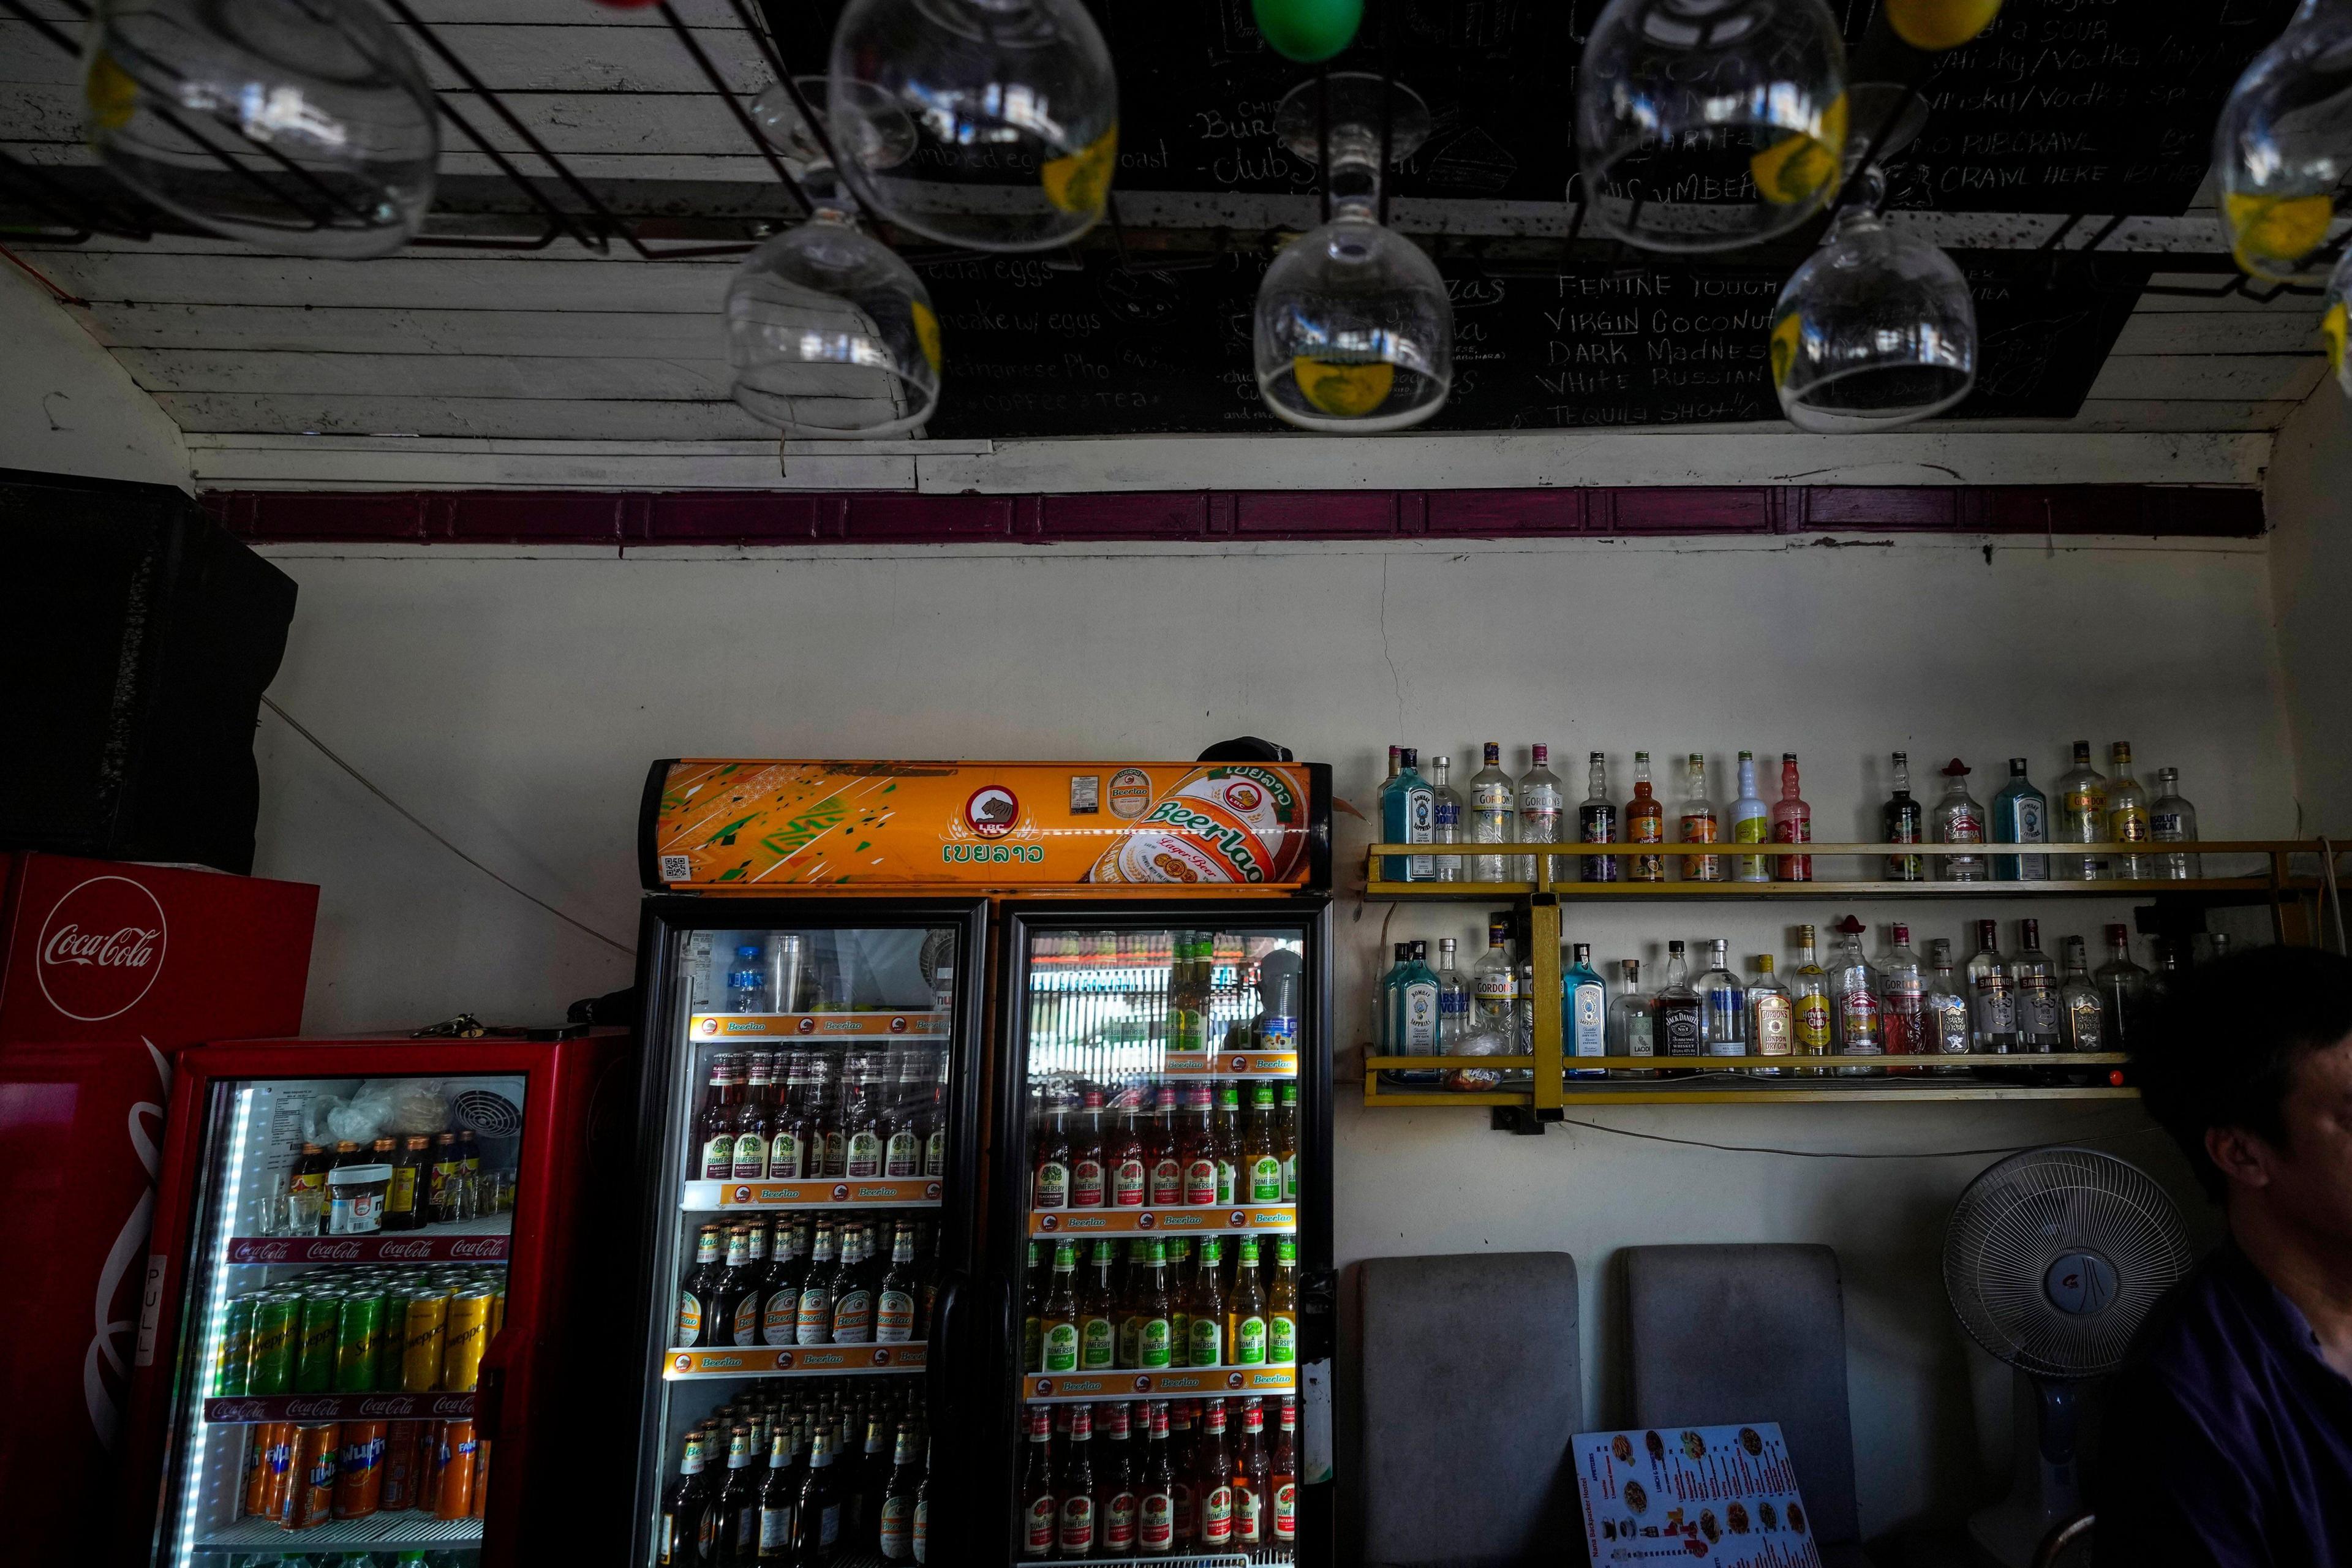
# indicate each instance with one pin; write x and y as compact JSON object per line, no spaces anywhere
{"x":2219,"y":378}
{"x":703,"y":378}
{"x":687,"y":334}
{"x":560,"y":280}
{"x":327,"y":462}
{"x":2219,"y":333}
{"x":541,"y":420}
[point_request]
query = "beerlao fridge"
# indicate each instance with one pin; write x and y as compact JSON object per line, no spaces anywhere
{"x":383,"y":1317}
{"x":1027,"y":1071}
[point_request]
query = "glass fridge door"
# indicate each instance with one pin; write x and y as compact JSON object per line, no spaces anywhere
{"x":348,"y":1270}
{"x":1160,"y":1293}
{"x":815,"y":1143}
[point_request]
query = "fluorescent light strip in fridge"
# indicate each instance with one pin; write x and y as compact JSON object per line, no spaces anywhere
{"x":215,"y":1319}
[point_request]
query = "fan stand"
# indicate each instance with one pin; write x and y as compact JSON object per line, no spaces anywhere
{"x":2046,"y":1487}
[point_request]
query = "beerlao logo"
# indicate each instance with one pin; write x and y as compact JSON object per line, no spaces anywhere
{"x":991,"y":811}
{"x":101,"y":949}
{"x":1245,"y":797}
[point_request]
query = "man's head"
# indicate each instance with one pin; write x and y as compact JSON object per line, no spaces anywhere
{"x":2250,"y":1069}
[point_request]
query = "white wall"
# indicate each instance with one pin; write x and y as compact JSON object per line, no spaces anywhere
{"x":514,"y":703}
{"x":66,"y":407}
{"x":2309,"y":502}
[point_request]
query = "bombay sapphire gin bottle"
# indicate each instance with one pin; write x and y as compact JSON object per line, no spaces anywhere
{"x":1583,"y":1012}
{"x":1408,"y":816}
{"x":1413,"y":1024}
{"x":2020,"y":815}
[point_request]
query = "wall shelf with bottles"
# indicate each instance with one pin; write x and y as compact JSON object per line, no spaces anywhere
{"x":823,"y":1193}
{"x":1245,"y":1219}
{"x":1051,"y":1387}
{"x":1735,"y":1086}
{"x":801,"y":1361}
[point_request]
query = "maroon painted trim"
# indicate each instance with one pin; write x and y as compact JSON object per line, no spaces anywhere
{"x":621,"y":518}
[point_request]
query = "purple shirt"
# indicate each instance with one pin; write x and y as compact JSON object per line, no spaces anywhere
{"x":2228,"y":1439}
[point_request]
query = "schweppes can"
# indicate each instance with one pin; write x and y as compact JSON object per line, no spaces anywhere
{"x":466,"y":1335}
{"x":423,"y":1326}
{"x":1225,"y":823}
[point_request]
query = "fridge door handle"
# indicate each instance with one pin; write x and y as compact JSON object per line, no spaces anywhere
{"x":1318,"y":1315}
{"x":946,"y":1317}
{"x":490,"y":1384}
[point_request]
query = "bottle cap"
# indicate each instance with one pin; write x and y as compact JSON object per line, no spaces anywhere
{"x":1763,"y":963}
{"x":1902,"y":759}
{"x":1581,"y":951}
{"x":1596,"y":757}
{"x":1542,"y":753}
{"x":1631,"y":967}
{"x":1849,"y":926}
{"x":1902,"y":935}
{"x":1806,"y":934}
{"x":2017,"y":767}
{"x":1988,"y":932}
{"x":1673,"y":947}
{"x":1788,"y":759}
{"x":1412,"y":757}
{"x":2118,"y":932}
{"x":2033,"y":930}
{"x":1955,"y":769}
{"x":1493,"y":753}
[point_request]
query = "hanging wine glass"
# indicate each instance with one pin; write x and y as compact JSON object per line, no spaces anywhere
{"x":1875,"y":330}
{"x":1940,"y":25}
{"x":2282,"y":147}
{"x":302,"y":125}
{"x":1706,"y":124}
{"x":830,"y":334}
{"x":1353,"y":332}
{"x":2335,"y":322}
{"x":1016,"y":107}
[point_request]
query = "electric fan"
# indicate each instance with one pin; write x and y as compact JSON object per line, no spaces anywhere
{"x":2053,"y":1259}
{"x":492,"y":1109}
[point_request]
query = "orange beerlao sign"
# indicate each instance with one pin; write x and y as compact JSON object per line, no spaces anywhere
{"x":730,"y":825}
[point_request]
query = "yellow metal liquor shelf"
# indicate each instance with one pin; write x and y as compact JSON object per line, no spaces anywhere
{"x":2293,"y":876}
{"x":1239,"y":1219}
{"x":1189,"y":1382}
{"x":821,"y":1193}
{"x":797,"y":1361}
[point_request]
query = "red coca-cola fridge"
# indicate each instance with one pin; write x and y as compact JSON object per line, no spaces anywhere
{"x":106,"y":969}
{"x":385,"y":1315}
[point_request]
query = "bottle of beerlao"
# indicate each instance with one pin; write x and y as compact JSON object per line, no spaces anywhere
{"x":733,"y":1282}
{"x":852,"y":1293}
{"x":755,"y":1119}
{"x":1246,"y":1334}
{"x":780,"y":1307}
{"x":1286,"y":1141}
{"x":698,"y":1294}
{"x":1131,"y":1307}
{"x":1087,"y":1164}
{"x":1155,"y":1488}
{"x":935,"y":1124}
{"x":738,"y":1503}
{"x":1115,"y":1483}
{"x":1231,"y":1183}
{"x":828,"y":1149}
{"x":865,"y":1117}
{"x":1040,"y":1509}
{"x":1050,"y":1188}
{"x":779,"y":1496}
{"x":1058,"y":1329}
{"x":894,"y":1531}
{"x":1074,"y":1490}
{"x":1282,"y":1305}
{"x":1032,"y":1309}
{"x":1181,"y":1428}
{"x":1180,"y":1292}
{"x":789,"y":1138}
{"x":1282,"y":1478}
{"x":1097,"y":1314}
{"x":750,"y":1306}
{"x":895,"y":1300}
{"x":1252,"y":1479}
{"x":1205,"y":1328}
{"x":816,"y":1524}
{"x":1155,"y":1312}
{"x":861,"y":1519}
{"x":1197,"y":1149}
{"x":1212,"y":1478}
{"x":688,"y":1536}
{"x":1126,"y":1157}
{"x":714,"y":1130}
{"x":812,"y":1321}
{"x":1261,"y":1164}
{"x":902,"y":1150}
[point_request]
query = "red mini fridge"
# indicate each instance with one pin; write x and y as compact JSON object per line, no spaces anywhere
{"x":405,"y":1352}
{"x":105,"y":968}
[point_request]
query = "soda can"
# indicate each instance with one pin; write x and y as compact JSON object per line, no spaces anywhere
{"x":314,"y":1369}
{"x":276,"y":1332}
{"x":454,"y":1496}
{"x":318,"y":1462}
{"x":400,"y":1471}
{"x":420,"y":1329}
{"x":236,"y":1348}
{"x":498,"y":1306}
{"x":358,"y":1342}
{"x":269,"y":1449}
{"x":464,"y":1339}
{"x":358,"y":1485}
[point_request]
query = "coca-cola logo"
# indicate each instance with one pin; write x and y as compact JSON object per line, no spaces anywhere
{"x":400,"y":1249}
{"x":237,"y":1410}
{"x":313,"y":1409}
{"x":478,"y":1246}
{"x":392,"y":1406}
{"x":101,"y":948}
{"x":261,"y":1252}
{"x":453,"y":1405}
{"x":332,"y":1251}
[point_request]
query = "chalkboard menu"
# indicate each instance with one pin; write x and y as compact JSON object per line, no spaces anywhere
{"x":1084,"y":346}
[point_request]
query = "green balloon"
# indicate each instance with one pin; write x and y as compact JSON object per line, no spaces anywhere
{"x":1308,"y":30}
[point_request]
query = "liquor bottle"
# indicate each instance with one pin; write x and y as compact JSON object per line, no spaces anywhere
{"x":1493,"y":817}
{"x":1629,"y":1018}
{"x":755,"y":1119}
{"x":1213,"y":1465}
{"x":922,"y":1532}
{"x":689,"y":1522}
{"x":404,"y":1202}
{"x":787,"y":1273}
{"x":1282,"y":1478}
{"x":1049,"y":1186}
{"x":1408,"y":816}
{"x":715,"y":1131}
{"x":2125,"y":987}
{"x":780,"y":1497}
{"x":2019,"y":815}
{"x":1992,"y":998}
{"x":1282,"y":1305}
{"x":1413,"y":1024}
{"x":894,"y":1535}
{"x":1097,"y":1309}
{"x":1494,"y":986}
{"x":747,"y":1291}
{"x":1074,"y":1488}
{"x":864,"y":1113}
{"x":1154,"y":1312}
{"x":1792,"y":823}
{"x":1384,"y":1003}
{"x":828,"y":1147}
{"x":2128,"y":819}
{"x":1698,"y":824}
{"x":1088,"y":1172}
{"x":1859,"y":1021}
{"x":1181,"y":1434}
{"x":910,"y":1122}
{"x":1959,"y":820}
{"x":1596,"y":821}
{"x":1033,"y":1307}
{"x":1453,"y":1000}
{"x":1646,"y":823}
{"x":2081,"y":1012}
{"x":1771,"y":1016}
{"x":1261,"y":1165}
{"x":1204,"y":1328}
{"x":1115,"y":1482}
{"x":2036,"y":988}
{"x":1245,"y":1310}
{"x":738,"y":1503}
{"x":1750,"y":824}
{"x":1899,"y":821}
{"x":1676,"y":1012}
{"x":1445,"y":824}
{"x":1058,"y":1317}
{"x":699,"y":1298}
{"x":1942,"y":1009}
{"x":1903,"y":997}
{"x":1155,"y":1518}
{"x":1228,"y":1122}
{"x":895,"y":1299}
{"x":816,"y":1524}
{"x":1583,"y":1012}
{"x":2082,"y":817}
{"x":1199,"y":1147}
{"x":1808,"y":997}
{"x":1722,"y":1006}
{"x":1542,"y":812}
{"x":2172,"y":820}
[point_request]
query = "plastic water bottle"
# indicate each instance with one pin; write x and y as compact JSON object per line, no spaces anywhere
{"x":747,"y":983}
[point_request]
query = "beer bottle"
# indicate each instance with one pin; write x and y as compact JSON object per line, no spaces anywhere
{"x":755,"y":1120}
{"x":698,"y":1294}
{"x":1155,"y":1487}
{"x":816,"y":1522}
{"x":866,"y":1118}
{"x":403,"y":1207}
{"x":1114,"y":1484}
{"x":789,"y":1140}
{"x":1155,"y":1314}
{"x":1180,"y":1453}
{"x":827,"y":1150}
{"x":1245,"y":1311}
{"x":1127,"y":1166}
{"x":1086,"y":1167}
{"x":894,"y":1302}
{"x":751,"y":1306}
{"x":1213,"y":1480}
{"x":1285,"y":1142}
{"x":920,"y":1538}
{"x":813,"y":1321}
{"x":1074,"y":1490}
{"x":1032,"y":1309}
{"x":1250,"y":1478}
{"x":1282,"y":1305}
{"x":1040,"y":1512}
{"x":1050,"y":1185}
{"x":1059,"y":1314}
{"x":737,"y":1505}
{"x":715,"y":1129}
{"x":780,"y":1307}
{"x":853,"y":1294}
{"x":895,"y":1532}
{"x":1229,"y":1144}
{"x":1179,"y":1297}
{"x":1196,"y":1149}
{"x":1160,"y":1149}
{"x":863,"y":1485}
{"x":902,"y":1155}
{"x":1130,"y":1304}
{"x":1259,"y":1159}
{"x":1097,"y":1315}
{"x":733,"y":1282}
{"x":1282,"y":1478}
{"x":1205,"y":1328}
{"x":934,"y":1123}
{"x":780,"y":1495}
{"x":689,"y":1524}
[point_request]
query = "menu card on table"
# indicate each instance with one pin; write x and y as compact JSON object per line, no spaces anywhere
{"x":1724,"y":1496}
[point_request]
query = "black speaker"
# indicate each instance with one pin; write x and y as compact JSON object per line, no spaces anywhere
{"x":138,"y":636}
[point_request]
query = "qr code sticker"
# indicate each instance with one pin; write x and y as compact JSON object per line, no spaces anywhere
{"x":676,"y":869}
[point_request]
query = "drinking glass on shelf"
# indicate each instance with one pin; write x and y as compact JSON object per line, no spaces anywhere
{"x":302,"y":1207}
{"x":270,"y":1216}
